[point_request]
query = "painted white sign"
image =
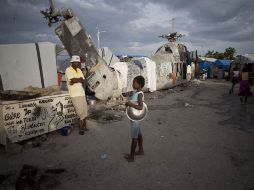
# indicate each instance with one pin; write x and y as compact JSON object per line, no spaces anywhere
{"x":27,"y":119}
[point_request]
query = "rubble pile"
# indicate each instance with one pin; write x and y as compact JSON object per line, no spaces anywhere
{"x":48,"y":91}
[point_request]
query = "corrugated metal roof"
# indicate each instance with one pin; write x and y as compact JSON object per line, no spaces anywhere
{"x":208,"y":59}
{"x":245,"y":59}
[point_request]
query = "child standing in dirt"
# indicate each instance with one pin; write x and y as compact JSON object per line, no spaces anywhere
{"x":137,"y":103}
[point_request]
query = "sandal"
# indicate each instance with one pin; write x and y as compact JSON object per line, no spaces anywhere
{"x":129,"y":158}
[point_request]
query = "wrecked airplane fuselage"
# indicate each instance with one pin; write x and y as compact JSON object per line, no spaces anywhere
{"x":163,"y":70}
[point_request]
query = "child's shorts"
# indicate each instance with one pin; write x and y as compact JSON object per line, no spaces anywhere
{"x":135,"y":129}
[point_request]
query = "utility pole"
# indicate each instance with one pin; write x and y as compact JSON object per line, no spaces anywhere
{"x":173,"y":25}
{"x":98,"y":36}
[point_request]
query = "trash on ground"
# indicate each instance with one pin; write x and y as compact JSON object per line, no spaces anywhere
{"x":171,"y":90}
{"x":66,"y":130}
{"x":187,"y":105}
{"x":104,"y":156}
{"x":48,"y":91}
{"x":196,"y":82}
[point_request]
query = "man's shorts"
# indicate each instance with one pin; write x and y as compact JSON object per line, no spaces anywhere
{"x":135,"y":129}
{"x":80,"y":106}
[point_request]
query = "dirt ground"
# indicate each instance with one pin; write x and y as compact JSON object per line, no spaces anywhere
{"x":195,"y":138}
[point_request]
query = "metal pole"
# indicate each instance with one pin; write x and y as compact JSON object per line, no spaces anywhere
{"x":173,"y":25}
{"x":98,"y":36}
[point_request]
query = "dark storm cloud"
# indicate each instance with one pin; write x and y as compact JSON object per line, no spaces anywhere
{"x":134,"y":26}
{"x":21,"y":22}
{"x":219,"y":19}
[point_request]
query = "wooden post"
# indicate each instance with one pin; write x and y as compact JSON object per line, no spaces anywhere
{"x":196,"y":65}
{"x":1,"y":84}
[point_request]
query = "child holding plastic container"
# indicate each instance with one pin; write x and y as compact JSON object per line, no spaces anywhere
{"x":137,"y":103}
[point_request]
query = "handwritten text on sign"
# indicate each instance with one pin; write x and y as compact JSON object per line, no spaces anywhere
{"x":27,"y":119}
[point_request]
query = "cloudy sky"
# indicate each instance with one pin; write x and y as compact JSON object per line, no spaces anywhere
{"x":133,"y":26}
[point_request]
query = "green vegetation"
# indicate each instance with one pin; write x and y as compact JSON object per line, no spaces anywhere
{"x":228,"y":54}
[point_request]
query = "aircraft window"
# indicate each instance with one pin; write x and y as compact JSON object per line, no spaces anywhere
{"x":168,"y":49}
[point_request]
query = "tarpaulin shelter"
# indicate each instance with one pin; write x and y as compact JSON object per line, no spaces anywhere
{"x":207,"y":64}
{"x":223,"y":65}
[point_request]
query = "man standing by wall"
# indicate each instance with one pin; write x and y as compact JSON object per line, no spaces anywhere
{"x":188,"y":75}
{"x":75,"y":79}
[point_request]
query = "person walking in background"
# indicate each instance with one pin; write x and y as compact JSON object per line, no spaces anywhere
{"x":245,"y":84}
{"x":188,"y":75}
{"x":235,"y":79}
{"x":75,"y":80}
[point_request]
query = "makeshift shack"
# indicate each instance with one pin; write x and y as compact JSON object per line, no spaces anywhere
{"x":208,"y":64}
{"x":222,"y":68}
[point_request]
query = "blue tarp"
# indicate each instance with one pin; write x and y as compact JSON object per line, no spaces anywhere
{"x":220,"y":63}
{"x":224,"y":64}
{"x":207,"y":66}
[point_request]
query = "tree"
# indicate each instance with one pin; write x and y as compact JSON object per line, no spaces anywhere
{"x":229,"y":53}
{"x":209,"y":54}
{"x":218,"y":55}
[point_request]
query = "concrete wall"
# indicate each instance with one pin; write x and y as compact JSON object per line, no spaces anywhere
{"x":19,"y":66}
{"x":48,"y":58}
{"x":20,"y":120}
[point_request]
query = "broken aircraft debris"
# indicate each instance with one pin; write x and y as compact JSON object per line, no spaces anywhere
{"x":166,"y":68}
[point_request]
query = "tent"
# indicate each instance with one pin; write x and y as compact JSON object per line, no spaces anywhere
{"x":23,"y":65}
{"x":223,"y":66}
{"x":214,"y":67}
{"x":206,"y":66}
{"x":223,"y":63}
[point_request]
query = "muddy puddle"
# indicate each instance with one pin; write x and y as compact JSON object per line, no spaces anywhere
{"x":106,"y":117}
